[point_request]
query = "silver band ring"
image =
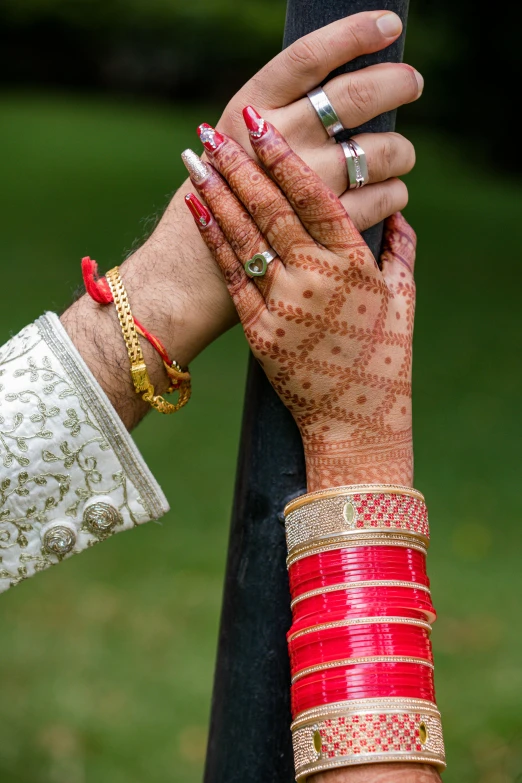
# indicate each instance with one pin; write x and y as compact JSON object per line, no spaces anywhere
{"x":355,"y":163}
{"x":325,"y":111}
{"x":258,"y":264}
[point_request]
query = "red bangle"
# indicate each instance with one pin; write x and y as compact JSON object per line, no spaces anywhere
{"x":368,"y":612}
{"x":364,"y":602}
{"x":347,"y":576}
{"x":363,"y":681}
{"x":352,"y":642}
{"x":357,"y":564}
{"x":368,"y":553}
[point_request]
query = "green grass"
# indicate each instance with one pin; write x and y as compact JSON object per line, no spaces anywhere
{"x":106,"y":662}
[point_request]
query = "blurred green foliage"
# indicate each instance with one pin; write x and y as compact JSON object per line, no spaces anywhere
{"x":206,"y":49}
{"x":106,"y":661}
{"x":259,"y":15}
{"x":203,"y":49}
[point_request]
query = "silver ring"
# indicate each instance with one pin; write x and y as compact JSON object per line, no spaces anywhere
{"x":326,"y":112}
{"x":355,"y":163}
{"x":258,"y":264}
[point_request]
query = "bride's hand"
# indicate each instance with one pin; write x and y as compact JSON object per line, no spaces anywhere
{"x":332,"y":330}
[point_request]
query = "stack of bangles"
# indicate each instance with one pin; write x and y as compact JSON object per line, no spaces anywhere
{"x":359,"y":645}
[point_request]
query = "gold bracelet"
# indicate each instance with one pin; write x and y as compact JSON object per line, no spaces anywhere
{"x":368,"y":731}
{"x":310,"y":520}
{"x":346,"y":541}
{"x":139,"y":372}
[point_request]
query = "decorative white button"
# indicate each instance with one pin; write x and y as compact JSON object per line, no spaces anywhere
{"x":101,"y":516}
{"x":59,"y":539}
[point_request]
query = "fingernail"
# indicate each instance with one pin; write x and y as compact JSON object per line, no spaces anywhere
{"x":256,"y":125}
{"x":197,"y":170}
{"x":210,"y":138}
{"x":420,"y":81}
{"x":199,"y":211}
{"x":390,"y":25}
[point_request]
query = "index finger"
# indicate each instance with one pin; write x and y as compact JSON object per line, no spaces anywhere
{"x":304,"y":64}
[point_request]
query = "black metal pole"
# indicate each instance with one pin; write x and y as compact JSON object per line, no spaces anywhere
{"x":249,"y":729}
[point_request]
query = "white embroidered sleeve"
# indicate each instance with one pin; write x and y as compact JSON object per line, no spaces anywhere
{"x":70,"y":474}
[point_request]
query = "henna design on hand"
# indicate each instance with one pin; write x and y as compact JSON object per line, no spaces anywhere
{"x":332,"y":332}
{"x":341,"y":363}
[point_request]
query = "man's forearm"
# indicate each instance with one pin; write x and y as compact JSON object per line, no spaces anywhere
{"x":175,"y":290}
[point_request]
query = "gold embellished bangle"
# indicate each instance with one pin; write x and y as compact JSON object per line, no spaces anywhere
{"x":312,"y":519}
{"x":368,"y":731}
{"x":139,"y":373}
{"x":352,"y":489}
{"x":378,"y":538}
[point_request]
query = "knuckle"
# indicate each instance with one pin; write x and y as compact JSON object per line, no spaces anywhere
{"x":306,"y":191}
{"x":358,"y":36}
{"x":362,"y":94}
{"x":216,"y":241}
{"x":396,"y":156}
{"x":266,"y":204}
{"x":361,"y":215}
{"x":387,"y":155}
{"x":383,"y":204}
{"x":393,"y":197}
{"x":304,"y":55}
{"x":363,"y":221}
{"x":246,"y":238}
{"x":235,"y":279}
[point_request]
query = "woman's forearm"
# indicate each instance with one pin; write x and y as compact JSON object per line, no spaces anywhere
{"x":333,"y":331}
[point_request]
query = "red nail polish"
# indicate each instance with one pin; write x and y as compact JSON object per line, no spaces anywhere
{"x":210,"y":138}
{"x":256,"y":125}
{"x":199,"y":212}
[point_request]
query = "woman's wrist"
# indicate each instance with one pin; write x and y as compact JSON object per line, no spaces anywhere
{"x":380,"y":773}
{"x":342,"y":463}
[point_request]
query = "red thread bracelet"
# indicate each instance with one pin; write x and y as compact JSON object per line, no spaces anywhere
{"x":99,"y":290}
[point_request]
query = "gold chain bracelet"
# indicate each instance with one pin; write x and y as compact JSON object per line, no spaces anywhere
{"x":139,"y":372}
